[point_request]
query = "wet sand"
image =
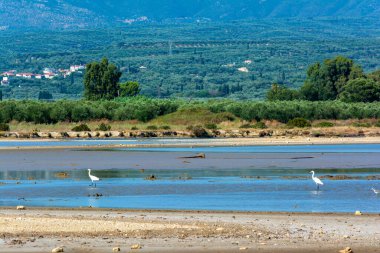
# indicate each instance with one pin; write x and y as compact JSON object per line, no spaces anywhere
{"x":85,"y":230}
{"x":76,"y":159}
{"x":217,"y":142}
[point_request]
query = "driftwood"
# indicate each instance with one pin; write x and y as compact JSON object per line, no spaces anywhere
{"x":199,"y":156}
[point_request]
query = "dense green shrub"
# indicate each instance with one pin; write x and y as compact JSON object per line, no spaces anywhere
{"x":4,"y":127}
{"x":151,"y":127}
{"x":324,"y":124}
{"x":211,"y":126}
{"x":199,"y":132}
{"x":145,"y":109}
{"x":246,"y":126}
{"x":165,"y":127}
{"x":81,"y":128}
{"x":362,"y":124}
{"x":134,"y":128}
{"x":259,"y":125}
{"x":298,"y":122}
{"x":104,"y":127}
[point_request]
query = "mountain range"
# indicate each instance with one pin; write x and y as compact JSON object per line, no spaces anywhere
{"x":68,"y":14}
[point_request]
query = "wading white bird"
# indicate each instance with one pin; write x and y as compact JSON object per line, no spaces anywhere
{"x":93,"y":178}
{"x":375,"y":191}
{"x":317,"y":181}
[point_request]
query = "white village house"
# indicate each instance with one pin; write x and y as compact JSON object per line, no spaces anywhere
{"x":5,"y":81}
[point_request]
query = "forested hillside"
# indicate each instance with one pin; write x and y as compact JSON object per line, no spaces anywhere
{"x":69,"y":14}
{"x":224,"y":59}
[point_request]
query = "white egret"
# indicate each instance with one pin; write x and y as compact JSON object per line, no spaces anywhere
{"x":93,"y":178}
{"x":375,"y":191}
{"x":317,"y":181}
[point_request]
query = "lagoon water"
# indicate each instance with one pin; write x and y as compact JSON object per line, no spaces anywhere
{"x":270,"y":178}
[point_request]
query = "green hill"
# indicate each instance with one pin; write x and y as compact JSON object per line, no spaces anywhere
{"x":65,"y":14}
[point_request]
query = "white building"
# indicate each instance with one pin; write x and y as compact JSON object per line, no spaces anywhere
{"x":5,"y":81}
{"x":27,"y":75}
{"x":243,"y":69}
{"x":49,"y":70}
{"x":49,"y":75}
{"x":74,"y":68}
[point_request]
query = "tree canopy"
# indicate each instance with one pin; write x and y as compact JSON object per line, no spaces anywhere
{"x":129,"y":89}
{"x":325,"y":81}
{"x":101,"y":80}
{"x":44,"y":95}
{"x":280,"y":92}
{"x":361,"y":90}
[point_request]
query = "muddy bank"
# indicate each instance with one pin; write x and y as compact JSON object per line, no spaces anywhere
{"x":77,"y":159}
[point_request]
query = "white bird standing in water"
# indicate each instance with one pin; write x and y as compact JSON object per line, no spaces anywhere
{"x":317,"y":181}
{"x":375,"y":191}
{"x":93,"y":178}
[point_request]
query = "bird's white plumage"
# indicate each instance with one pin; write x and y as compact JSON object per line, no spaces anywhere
{"x":375,"y":191}
{"x":317,"y":181}
{"x":93,"y":178}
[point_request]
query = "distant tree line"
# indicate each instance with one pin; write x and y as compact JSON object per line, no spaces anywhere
{"x":145,"y":109}
{"x":334,"y":79}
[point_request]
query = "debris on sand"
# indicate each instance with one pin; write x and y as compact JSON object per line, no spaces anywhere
{"x":197,"y":156}
{"x":21,"y":208}
{"x":358,"y":213}
{"x":302,"y":157}
{"x":16,"y":242}
{"x":56,"y":250}
{"x":116,"y":249}
{"x":136,"y":246}
{"x":62,"y":175}
{"x":185,"y":177}
{"x":97,"y":195}
{"x":151,"y":177}
{"x":340,"y":177}
{"x":346,"y":250}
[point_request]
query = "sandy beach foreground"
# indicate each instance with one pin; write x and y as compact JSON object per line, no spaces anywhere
{"x":86,"y":230}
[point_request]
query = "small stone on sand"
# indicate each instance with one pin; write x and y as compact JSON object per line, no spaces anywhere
{"x":136,"y":246}
{"x":346,"y":250}
{"x":56,"y":250}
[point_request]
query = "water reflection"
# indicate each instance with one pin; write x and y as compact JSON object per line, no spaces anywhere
{"x":187,"y":174}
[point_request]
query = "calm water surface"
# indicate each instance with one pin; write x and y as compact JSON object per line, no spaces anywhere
{"x":242,"y":188}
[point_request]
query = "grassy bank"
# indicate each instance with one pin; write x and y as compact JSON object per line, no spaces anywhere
{"x":212,"y":122}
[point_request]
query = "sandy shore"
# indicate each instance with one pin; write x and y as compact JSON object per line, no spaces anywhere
{"x":217,"y":142}
{"x":40,"y":230}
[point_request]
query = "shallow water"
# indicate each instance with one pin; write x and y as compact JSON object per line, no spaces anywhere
{"x":230,"y":178}
{"x":206,"y":193}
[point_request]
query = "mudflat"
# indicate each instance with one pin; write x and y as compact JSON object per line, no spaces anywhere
{"x":76,"y":159}
{"x":90,"y":230}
